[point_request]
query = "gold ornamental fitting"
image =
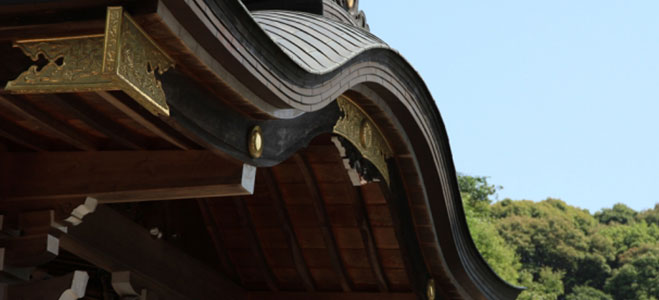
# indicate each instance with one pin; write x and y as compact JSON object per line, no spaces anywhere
{"x":359,"y":129}
{"x":123,"y":58}
{"x":255,"y":142}
{"x":430,"y":290}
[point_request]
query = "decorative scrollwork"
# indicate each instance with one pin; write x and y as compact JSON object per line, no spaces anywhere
{"x":123,"y":58}
{"x":356,"y":127}
{"x":71,"y":61}
{"x":139,"y":58}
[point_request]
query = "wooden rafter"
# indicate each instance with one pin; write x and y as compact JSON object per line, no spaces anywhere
{"x":324,"y":222}
{"x":22,"y":136}
{"x":123,"y":176}
{"x":147,"y":120}
{"x":368,"y":239}
{"x":255,"y":244}
{"x":114,"y":243}
{"x":99,"y":121}
{"x":212,"y":228}
{"x":293,"y":244}
{"x":410,"y":250}
{"x":62,"y":130}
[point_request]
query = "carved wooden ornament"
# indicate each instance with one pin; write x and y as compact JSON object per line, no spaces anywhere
{"x":123,"y":58}
{"x":361,"y":131}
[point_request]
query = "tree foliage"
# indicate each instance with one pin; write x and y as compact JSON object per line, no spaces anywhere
{"x":584,"y":292}
{"x":620,"y":214}
{"x":562,"y":252}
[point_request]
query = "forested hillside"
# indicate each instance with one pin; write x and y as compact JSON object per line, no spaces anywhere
{"x":559,"y":251}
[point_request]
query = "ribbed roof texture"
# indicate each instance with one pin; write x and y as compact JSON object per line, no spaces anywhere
{"x":317,"y":44}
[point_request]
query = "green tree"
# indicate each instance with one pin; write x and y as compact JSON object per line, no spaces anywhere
{"x":562,"y":252}
{"x":493,"y":248}
{"x":587,"y":293}
{"x":620,"y":214}
{"x":650,"y":216}
{"x":476,"y":193}
{"x":547,"y":286}
{"x":634,"y":235}
{"x":638,"y":277}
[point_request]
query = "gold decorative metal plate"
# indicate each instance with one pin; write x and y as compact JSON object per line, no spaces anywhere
{"x":361,"y":131}
{"x":123,"y":58}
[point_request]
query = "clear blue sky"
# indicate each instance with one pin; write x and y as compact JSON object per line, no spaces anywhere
{"x":547,"y":98}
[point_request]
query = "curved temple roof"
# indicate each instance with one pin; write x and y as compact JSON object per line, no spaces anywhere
{"x":331,"y":51}
{"x":374,"y":209}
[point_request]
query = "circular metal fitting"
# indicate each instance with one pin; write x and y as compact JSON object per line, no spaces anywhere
{"x":255,"y":142}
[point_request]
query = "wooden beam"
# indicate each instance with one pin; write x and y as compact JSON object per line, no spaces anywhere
{"x":100,"y":122}
{"x":62,"y":130}
{"x":401,"y":216}
{"x":68,"y":287}
{"x":114,"y":243}
{"x":255,"y":243}
{"x":147,"y":120}
{"x":323,"y":218}
{"x":35,"y":31}
{"x":330,"y":296}
{"x":368,"y":239}
{"x":123,"y":176}
{"x":287,"y":227}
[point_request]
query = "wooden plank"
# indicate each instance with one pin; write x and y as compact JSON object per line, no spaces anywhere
{"x":330,"y":296}
{"x":62,"y":130}
{"x":123,"y":176}
{"x":255,"y":244}
{"x":116,"y":244}
{"x":147,"y":120}
{"x":100,"y":122}
{"x":325,"y":225}
{"x":293,"y":244}
{"x":68,"y":287}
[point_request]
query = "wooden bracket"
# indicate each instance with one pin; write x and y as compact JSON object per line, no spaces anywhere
{"x":127,"y":287}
